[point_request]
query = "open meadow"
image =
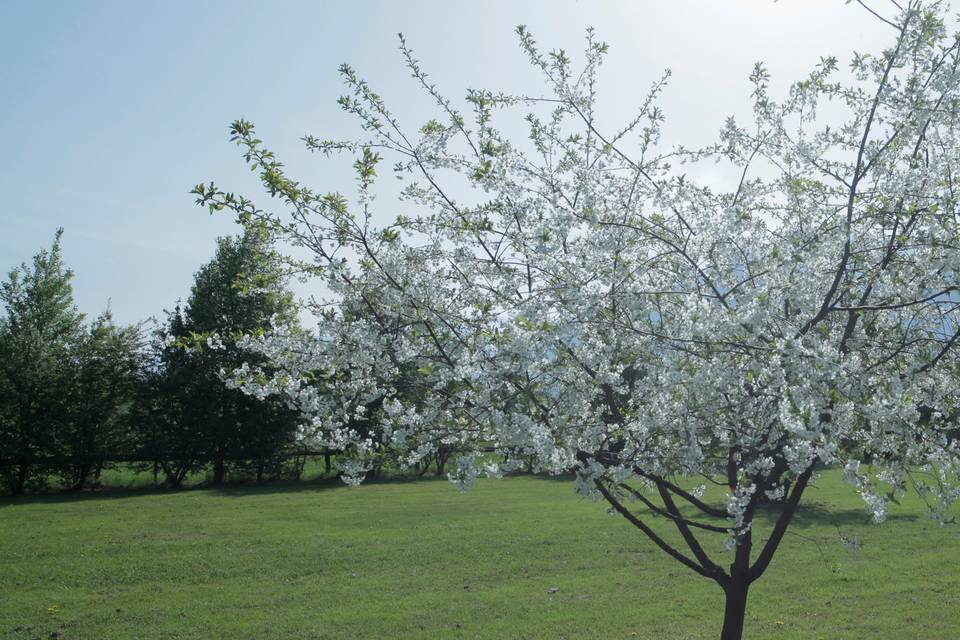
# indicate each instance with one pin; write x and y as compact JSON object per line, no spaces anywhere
{"x":280,"y":278}
{"x":521,"y":557}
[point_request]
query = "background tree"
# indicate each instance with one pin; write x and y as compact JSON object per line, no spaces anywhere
{"x":38,"y":339}
{"x":101,"y":409}
{"x":241,"y":290}
{"x":580,"y":299}
{"x":169,"y":407}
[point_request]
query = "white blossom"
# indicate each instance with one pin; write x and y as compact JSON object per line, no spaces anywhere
{"x":578,"y":302}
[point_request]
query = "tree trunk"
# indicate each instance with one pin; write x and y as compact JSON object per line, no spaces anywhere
{"x":80,"y":476}
{"x":23,"y":472}
{"x":424,"y":466}
{"x":181,"y":474}
{"x":735,"y":610}
{"x":326,"y":463}
{"x":219,"y":468}
{"x":175,"y":474}
{"x":442,"y":458}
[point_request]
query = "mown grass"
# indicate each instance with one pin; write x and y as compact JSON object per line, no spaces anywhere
{"x":521,"y":557}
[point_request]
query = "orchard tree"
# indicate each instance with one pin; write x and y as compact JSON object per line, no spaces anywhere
{"x":38,"y":337}
{"x":576,"y":297}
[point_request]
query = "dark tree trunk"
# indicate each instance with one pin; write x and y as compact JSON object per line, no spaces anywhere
{"x":23,"y":471}
{"x":219,"y":468}
{"x":326,"y":462}
{"x":735,"y":610}
{"x":260,"y":472}
{"x":424,"y":466}
{"x":175,"y":474}
{"x":80,"y":476}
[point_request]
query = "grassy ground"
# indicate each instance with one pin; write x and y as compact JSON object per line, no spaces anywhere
{"x":516,"y":558}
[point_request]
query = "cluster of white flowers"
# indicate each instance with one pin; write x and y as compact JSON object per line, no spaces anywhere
{"x":469,"y":468}
{"x":352,"y":471}
{"x":737,"y":504}
{"x":583,"y":305}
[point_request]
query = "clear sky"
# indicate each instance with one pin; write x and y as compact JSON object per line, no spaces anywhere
{"x":110,"y":112}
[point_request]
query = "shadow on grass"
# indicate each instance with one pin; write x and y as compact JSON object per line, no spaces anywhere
{"x":816,"y":514}
{"x":54,"y":496}
{"x":555,"y":477}
{"x":294,"y":486}
{"x":809,"y":515}
{"x":238,"y":489}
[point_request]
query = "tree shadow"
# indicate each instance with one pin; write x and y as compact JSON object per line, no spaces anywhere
{"x":817,"y":514}
{"x":553,"y":477}
{"x":56,"y":496}
{"x":238,"y":489}
{"x":314,"y":484}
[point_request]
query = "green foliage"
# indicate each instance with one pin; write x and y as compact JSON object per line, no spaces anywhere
{"x":193,"y":418}
{"x":66,"y":390}
{"x":102,"y":414}
{"x":39,"y":335}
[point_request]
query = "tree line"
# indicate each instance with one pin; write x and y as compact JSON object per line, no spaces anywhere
{"x":78,"y":396}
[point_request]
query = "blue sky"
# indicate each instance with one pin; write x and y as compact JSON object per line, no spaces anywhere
{"x":111,"y":111}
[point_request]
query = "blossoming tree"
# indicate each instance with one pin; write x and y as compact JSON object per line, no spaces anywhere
{"x":576,"y":298}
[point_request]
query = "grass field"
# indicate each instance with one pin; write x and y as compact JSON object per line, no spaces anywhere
{"x":521,"y":557}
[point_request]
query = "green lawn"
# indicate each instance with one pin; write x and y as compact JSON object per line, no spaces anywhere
{"x":516,"y":558}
